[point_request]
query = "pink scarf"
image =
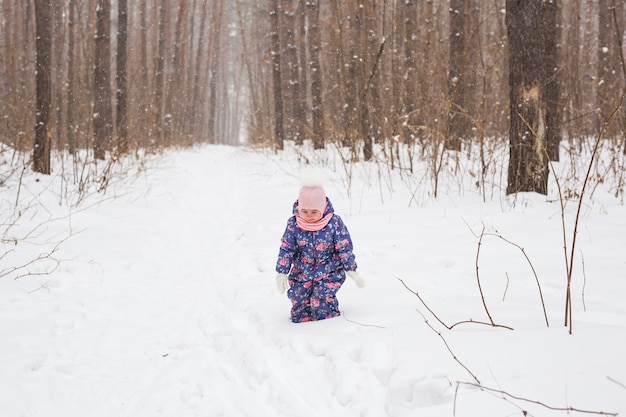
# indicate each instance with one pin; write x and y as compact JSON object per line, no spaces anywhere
{"x":313,"y":226}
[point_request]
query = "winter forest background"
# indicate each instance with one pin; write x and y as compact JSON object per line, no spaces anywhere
{"x":416,"y":77}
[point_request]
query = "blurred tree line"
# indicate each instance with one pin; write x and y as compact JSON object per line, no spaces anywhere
{"x":113,"y":76}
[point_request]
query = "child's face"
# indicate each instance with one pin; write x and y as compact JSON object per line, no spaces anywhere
{"x":310,"y":215}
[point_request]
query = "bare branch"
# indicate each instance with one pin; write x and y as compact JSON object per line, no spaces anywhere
{"x":542,"y":404}
{"x":441,"y":321}
{"x":480,"y":237}
{"x":449,"y":349}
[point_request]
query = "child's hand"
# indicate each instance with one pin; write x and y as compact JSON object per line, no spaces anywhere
{"x":282,"y":283}
{"x":357,"y":279}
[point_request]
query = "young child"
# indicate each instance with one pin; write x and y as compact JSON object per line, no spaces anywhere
{"x":315,"y":255}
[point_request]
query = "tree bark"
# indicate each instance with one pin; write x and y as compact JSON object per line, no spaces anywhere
{"x":121,"y":77}
{"x":159,"y":81}
{"x":552,"y":79}
{"x":102,"y":117}
{"x":214,"y":66}
{"x":370,"y":104}
{"x":41,"y":151}
{"x":279,"y":136}
{"x":315,"y":44}
{"x":144,"y":96}
{"x":609,"y":80}
{"x":354,"y":82}
{"x":291,"y":85}
{"x":457,"y":114}
{"x":529,"y":118}
{"x":411,"y":45}
{"x":175,"y":91}
{"x":71,"y":126}
{"x":198,"y":87}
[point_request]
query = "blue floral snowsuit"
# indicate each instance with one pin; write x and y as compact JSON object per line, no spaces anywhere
{"x":316,"y":263}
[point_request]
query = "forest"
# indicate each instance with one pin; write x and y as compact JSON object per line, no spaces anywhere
{"x":383,"y":80}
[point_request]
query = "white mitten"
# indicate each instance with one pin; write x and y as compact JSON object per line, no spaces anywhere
{"x":357,"y":279}
{"x":282,"y":283}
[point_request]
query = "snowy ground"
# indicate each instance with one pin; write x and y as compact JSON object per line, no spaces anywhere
{"x":164,"y":301}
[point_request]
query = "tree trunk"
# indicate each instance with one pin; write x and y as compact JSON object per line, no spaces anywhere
{"x":102,"y":117}
{"x":457,"y":113}
{"x":608,"y":68}
{"x":411,"y":45}
{"x":571,"y":63}
{"x":276,"y":74}
{"x":315,"y":44}
{"x":175,"y":91}
{"x":291,"y":86}
{"x":354,"y":77}
{"x":552,"y":79}
{"x":370,"y":104}
{"x":528,"y":162}
{"x":214,"y":65}
{"x":144,"y":107}
{"x":58,"y":63}
{"x":159,"y":81}
{"x":71,"y":126}
{"x":121,"y":77}
{"x":41,"y":151}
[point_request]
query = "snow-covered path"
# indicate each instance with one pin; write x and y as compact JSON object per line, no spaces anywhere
{"x":165,"y":305}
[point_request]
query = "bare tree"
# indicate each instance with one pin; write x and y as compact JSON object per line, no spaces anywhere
{"x":373,"y":47}
{"x":353,"y":77}
{"x":292,"y":88}
{"x":41,"y":152}
{"x":609,"y":80}
{"x":458,"y":71}
{"x":71,"y":125}
{"x":215,"y":62}
{"x":102,"y":116}
{"x":196,"y":85}
{"x":159,"y":79}
{"x":144,"y":106}
{"x":411,"y":48}
{"x":121,"y":77}
{"x":317,"y":109}
{"x":279,"y":135}
{"x":175,"y":93}
{"x":528,"y":162}
{"x":554,"y":104}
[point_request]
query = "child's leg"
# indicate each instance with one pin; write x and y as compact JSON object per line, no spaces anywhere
{"x":324,"y":304}
{"x":300,"y":295}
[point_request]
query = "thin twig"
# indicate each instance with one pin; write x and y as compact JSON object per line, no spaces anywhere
{"x":582,"y":256}
{"x":360,"y":324}
{"x":543,"y":305}
{"x":616,"y":382}
{"x":540,"y":403}
{"x":44,"y":285}
{"x":441,"y":321}
{"x":507,"y":286}
{"x":594,"y":155}
{"x":480,"y":288}
{"x":448,"y":347}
